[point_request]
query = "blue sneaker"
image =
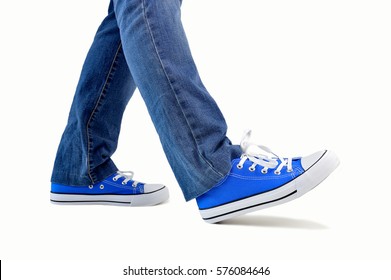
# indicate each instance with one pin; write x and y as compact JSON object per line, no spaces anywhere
{"x":258,"y":181}
{"x":119,"y":189}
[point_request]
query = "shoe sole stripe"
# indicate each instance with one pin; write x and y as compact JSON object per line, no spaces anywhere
{"x":90,"y":201}
{"x":252,"y":206}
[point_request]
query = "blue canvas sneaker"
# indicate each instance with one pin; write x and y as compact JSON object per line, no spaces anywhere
{"x":261,"y":179}
{"x":119,"y":188}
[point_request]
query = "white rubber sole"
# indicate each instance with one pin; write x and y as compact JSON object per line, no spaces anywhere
{"x":312,"y":177}
{"x":146,"y":199}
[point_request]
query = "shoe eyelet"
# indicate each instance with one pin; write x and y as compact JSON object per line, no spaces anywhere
{"x":101,"y":187}
{"x":264,"y":171}
{"x":277,"y":172}
{"x":289,"y":170}
{"x":252,"y":169}
{"x":239,"y":166}
{"x":123,"y":183}
{"x":90,"y":187}
{"x":115,"y":179}
{"x":134,"y":185}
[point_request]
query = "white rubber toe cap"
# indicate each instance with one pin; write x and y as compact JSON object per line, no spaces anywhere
{"x":325,"y":159}
{"x":308,"y":161}
{"x":148,"y":188}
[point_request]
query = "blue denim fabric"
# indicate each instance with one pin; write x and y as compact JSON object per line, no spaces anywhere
{"x":142,"y":43}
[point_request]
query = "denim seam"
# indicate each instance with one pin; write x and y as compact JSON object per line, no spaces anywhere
{"x":173,"y":90}
{"x":89,"y":137}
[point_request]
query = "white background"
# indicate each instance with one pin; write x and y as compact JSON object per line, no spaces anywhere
{"x":304,"y":75}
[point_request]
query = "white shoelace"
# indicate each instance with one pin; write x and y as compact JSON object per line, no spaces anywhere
{"x":128,"y":175}
{"x":255,"y":153}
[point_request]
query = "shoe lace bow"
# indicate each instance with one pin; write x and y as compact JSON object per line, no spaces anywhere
{"x":256,"y":154}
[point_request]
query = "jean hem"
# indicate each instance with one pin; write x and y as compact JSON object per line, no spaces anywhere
{"x":100,"y":173}
{"x":200,"y":192}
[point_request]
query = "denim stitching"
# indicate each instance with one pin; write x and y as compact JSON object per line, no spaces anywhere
{"x":103,"y":91}
{"x":172,"y":88}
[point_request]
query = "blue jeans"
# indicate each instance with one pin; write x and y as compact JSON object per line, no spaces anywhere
{"x":141,"y":43}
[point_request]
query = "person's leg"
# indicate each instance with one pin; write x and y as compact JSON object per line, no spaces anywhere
{"x":83,"y":171}
{"x":191,"y":127}
{"x":103,"y":91}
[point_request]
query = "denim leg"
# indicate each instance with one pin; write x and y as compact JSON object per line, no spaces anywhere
{"x":191,"y":127}
{"x":103,"y":91}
